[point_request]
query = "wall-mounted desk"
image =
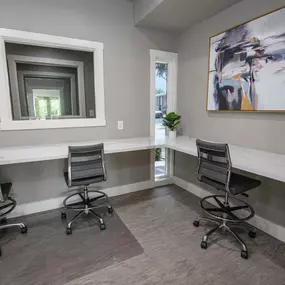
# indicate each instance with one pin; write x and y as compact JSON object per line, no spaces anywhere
{"x":23,"y":154}
{"x":267,"y":164}
{"x":263,"y":163}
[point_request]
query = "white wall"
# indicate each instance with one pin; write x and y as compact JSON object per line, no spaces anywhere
{"x":263,"y":131}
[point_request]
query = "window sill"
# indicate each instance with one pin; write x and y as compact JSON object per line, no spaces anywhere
{"x":51,"y":124}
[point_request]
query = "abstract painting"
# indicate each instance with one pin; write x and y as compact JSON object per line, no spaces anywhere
{"x":247,"y":66}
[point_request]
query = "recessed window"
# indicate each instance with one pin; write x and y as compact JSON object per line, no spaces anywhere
{"x":50,"y":81}
{"x":46,"y":103}
{"x":48,"y":71}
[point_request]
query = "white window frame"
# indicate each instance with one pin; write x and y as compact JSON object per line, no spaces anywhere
{"x":21,"y":37}
{"x":69,"y":76}
{"x":172,"y":60}
{"x":12,"y":71}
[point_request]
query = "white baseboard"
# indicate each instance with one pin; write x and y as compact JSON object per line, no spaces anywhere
{"x":266,"y":226}
{"x":55,"y":203}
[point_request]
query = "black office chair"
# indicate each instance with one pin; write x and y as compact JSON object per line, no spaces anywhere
{"x":7,"y":205}
{"x":86,"y":165}
{"x":215,"y":169}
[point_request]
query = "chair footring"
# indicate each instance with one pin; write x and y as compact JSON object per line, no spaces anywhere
{"x":8,"y":207}
{"x":84,"y":202}
{"x":228,"y":210}
{"x":86,"y":206}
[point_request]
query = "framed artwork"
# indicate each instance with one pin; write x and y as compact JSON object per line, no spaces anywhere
{"x":247,"y":66}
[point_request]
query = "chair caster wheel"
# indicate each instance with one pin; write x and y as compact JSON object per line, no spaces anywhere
{"x":204,"y":245}
{"x":24,"y":230}
{"x":102,"y":227}
{"x":196,"y":224}
{"x":63,"y":216}
{"x":110,"y":210}
{"x":68,"y":231}
{"x":244,"y":254}
{"x":252,"y":234}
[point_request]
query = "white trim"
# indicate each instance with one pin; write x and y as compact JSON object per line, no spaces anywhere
{"x":46,"y":74}
{"x":99,"y":84}
{"x":266,"y":226}
{"x":171,"y":59}
{"x":12,"y":70}
{"x":14,"y":36}
{"x":55,"y":203}
{"x":43,"y":61}
{"x":152,"y":164}
{"x":58,"y":75}
{"x":171,"y":162}
{"x":152,"y":93}
{"x":50,"y":124}
{"x":44,"y":40}
{"x":14,"y":88}
{"x":5,"y":105}
{"x":152,"y":113}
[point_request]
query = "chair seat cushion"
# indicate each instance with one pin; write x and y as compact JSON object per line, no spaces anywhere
{"x":238,"y":183}
{"x":84,"y":181}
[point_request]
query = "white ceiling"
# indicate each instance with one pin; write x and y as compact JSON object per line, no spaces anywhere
{"x":177,"y":15}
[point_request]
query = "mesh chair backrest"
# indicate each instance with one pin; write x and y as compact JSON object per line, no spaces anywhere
{"x":214,"y":161}
{"x":86,"y":165}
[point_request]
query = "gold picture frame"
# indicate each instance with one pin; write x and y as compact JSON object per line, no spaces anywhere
{"x":234,"y":90}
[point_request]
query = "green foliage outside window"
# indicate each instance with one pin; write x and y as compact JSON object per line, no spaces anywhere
{"x":47,"y":106}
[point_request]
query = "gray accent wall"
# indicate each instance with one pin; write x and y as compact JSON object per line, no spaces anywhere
{"x":36,"y":181}
{"x":126,"y":74}
{"x":265,"y":131}
{"x":126,"y":61}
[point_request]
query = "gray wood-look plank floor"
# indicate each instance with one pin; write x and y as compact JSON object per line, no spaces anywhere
{"x":161,"y":221}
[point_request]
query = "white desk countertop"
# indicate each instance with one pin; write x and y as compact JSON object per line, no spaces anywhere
{"x":23,"y":154}
{"x":267,"y":164}
{"x":263,"y":163}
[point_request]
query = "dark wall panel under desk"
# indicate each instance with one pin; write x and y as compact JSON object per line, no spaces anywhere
{"x":267,"y":200}
{"x":39,"y":181}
